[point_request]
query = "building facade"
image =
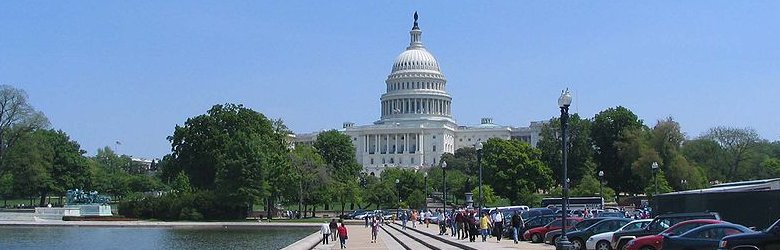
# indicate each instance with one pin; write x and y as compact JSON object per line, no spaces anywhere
{"x":416,"y":125}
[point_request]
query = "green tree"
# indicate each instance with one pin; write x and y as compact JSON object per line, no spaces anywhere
{"x":663,"y":185}
{"x":17,"y":119}
{"x":6,"y":187}
{"x":310,"y":174}
{"x":580,"y":154}
{"x":48,"y":162}
{"x":338,"y":152}
{"x":708,"y":156}
{"x":230,"y":149}
{"x":487,"y":194}
{"x":515,"y":170}
{"x":636,"y":151}
{"x":737,"y":144}
{"x":606,"y":131}
{"x":667,"y":139}
{"x":182,"y":183}
{"x":590,"y":186}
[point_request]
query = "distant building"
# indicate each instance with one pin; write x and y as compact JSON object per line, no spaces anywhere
{"x":141,"y":165}
{"x":416,"y":126}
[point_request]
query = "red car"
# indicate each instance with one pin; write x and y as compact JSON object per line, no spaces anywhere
{"x":537,"y":234}
{"x":654,"y":242}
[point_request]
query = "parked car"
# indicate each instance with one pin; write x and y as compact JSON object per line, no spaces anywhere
{"x":354,"y":213}
{"x":660,"y":223}
{"x":534,"y":212}
{"x":537,"y":221}
{"x":611,"y":215}
{"x":363,"y":215}
{"x":537,"y":234}
{"x":657,"y":240}
{"x":601,"y":241}
{"x":768,"y":238}
{"x":579,"y":236}
{"x":552,"y":236}
{"x":703,"y":237}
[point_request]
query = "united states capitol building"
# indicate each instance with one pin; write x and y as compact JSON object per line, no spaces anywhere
{"x":416,"y":125}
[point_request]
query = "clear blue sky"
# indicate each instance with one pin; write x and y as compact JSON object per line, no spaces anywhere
{"x":131,"y":70}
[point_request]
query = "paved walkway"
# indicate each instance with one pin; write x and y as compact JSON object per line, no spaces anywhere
{"x":360,"y":238}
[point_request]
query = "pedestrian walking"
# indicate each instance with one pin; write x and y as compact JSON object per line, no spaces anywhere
{"x":427,"y":217}
{"x":465,"y":224}
{"x":459,"y":224}
{"x":325,"y":230}
{"x":484,"y":226}
{"x":517,"y":223}
{"x":498,"y":224}
{"x":333,"y":229}
{"x":404,"y":219}
{"x":366,"y":219}
{"x":472,"y":227}
{"x":414,"y":218}
{"x":442,"y":222}
{"x":343,"y":235}
{"x":374,"y":230}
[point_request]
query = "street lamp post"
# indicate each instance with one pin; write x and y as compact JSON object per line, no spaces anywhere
{"x":444,"y":183}
{"x":425,"y":180}
{"x":398,"y":189}
{"x":601,"y":187}
{"x":654,"y":167}
{"x":479,"y":164}
{"x":563,"y":102}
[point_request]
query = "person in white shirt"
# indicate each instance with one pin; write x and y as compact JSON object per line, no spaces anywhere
{"x":325,"y":230}
{"x":498,"y":224}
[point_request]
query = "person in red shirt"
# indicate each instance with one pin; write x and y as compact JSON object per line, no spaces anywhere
{"x":342,"y":230}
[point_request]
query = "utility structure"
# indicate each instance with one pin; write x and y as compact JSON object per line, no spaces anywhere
{"x":601,"y":186}
{"x":563,"y":102}
{"x":444,"y":184}
{"x":398,"y":190}
{"x":479,"y":165}
{"x":654,"y":167}
{"x":425,"y":181}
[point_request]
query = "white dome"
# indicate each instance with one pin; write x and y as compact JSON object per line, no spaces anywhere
{"x":415,"y":59}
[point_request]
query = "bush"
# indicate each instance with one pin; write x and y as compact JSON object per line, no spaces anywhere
{"x":200,"y":205}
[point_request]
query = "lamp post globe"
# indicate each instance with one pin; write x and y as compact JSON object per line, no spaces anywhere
{"x":563,"y":102}
{"x":478,"y":146}
{"x":654,"y":167}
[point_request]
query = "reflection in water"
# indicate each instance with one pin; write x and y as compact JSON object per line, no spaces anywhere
{"x":146,"y":238}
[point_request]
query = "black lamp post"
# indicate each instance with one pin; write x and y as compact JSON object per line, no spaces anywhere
{"x":563,"y":102}
{"x":601,"y":187}
{"x":425,"y":180}
{"x":398,"y":189}
{"x":444,"y":183}
{"x":479,"y":165}
{"x":654,"y":167}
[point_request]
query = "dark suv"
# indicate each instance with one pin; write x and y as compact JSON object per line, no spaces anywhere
{"x":766,"y":239}
{"x":660,"y":223}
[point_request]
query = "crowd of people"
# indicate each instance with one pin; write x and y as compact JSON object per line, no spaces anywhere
{"x":334,"y":230}
{"x":462,"y":224}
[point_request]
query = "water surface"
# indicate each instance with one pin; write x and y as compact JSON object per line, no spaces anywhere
{"x":147,"y":238}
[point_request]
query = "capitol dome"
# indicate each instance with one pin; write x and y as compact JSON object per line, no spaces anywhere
{"x":415,"y":59}
{"x":416,"y":88}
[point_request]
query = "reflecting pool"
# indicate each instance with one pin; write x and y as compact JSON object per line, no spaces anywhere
{"x":147,"y":238}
